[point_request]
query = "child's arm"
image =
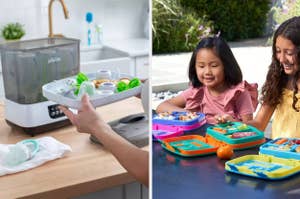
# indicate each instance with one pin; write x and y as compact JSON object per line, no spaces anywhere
{"x":263,"y":117}
{"x":174,"y":104}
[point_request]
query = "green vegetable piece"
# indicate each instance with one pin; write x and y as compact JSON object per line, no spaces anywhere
{"x":242,"y":127}
{"x":81,"y":78}
{"x":122,"y":86}
{"x":134,"y":83}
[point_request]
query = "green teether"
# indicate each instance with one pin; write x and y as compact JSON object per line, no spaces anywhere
{"x":134,"y":83}
{"x":121,"y":86}
{"x":80,"y":78}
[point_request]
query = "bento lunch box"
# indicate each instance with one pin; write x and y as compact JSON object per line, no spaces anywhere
{"x":178,"y":121}
{"x":236,"y":134}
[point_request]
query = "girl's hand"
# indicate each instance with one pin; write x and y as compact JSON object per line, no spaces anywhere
{"x":223,"y":118}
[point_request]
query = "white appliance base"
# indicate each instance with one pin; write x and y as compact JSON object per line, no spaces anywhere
{"x":31,"y":117}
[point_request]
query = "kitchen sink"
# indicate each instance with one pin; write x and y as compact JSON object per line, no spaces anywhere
{"x":104,"y":53}
{"x":107,"y":58}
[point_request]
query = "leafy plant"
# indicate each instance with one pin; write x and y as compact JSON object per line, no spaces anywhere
{"x":176,"y":29}
{"x":13,"y":31}
{"x":281,"y":11}
{"x":236,"y":19}
{"x":288,"y":10}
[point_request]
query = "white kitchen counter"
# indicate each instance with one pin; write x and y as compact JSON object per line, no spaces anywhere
{"x":134,"y":47}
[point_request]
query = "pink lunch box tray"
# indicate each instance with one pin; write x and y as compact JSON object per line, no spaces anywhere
{"x":174,"y":124}
{"x":162,"y":134}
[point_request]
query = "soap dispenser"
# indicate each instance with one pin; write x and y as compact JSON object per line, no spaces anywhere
{"x":89,"y":20}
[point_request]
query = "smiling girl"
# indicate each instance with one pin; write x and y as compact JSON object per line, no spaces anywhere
{"x":216,"y":86}
{"x":280,"y":92}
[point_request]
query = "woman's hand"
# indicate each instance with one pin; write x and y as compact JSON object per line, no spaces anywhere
{"x":86,"y":120}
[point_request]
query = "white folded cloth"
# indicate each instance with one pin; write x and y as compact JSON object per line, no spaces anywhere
{"x":49,"y":149}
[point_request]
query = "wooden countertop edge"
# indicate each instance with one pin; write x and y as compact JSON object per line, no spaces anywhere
{"x":84,"y":188}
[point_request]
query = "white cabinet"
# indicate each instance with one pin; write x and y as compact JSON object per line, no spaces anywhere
{"x":142,"y":67}
{"x":128,"y":191}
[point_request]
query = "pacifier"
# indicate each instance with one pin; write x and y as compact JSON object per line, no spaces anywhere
{"x":21,"y":152}
{"x":86,"y":87}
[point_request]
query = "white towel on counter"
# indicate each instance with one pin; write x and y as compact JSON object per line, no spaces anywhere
{"x":49,"y":149}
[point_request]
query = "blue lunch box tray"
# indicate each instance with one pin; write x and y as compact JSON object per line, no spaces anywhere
{"x":282,"y":147}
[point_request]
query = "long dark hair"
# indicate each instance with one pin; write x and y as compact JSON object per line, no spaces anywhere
{"x":232,"y":72}
{"x":276,"y":79}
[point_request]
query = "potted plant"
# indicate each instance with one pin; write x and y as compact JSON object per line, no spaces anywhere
{"x":13,"y":31}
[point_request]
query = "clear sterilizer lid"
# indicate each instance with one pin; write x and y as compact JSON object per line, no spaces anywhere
{"x":36,"y":44}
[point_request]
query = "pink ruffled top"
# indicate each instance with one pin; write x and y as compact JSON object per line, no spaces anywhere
{"x":236,"y":101}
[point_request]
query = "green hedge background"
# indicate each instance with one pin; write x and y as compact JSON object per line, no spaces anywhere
{"x":178,"y":25}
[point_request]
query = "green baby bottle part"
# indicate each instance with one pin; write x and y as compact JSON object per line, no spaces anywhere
{"x":134,"y":83}
{"x":121,"y":86}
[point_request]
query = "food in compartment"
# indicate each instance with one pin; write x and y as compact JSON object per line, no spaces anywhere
{"x":82,"y":84}
{"x":242,"y":134}
{"x":188,"y":116}
{"x":242,"y":127}
{"x":182,"y":116}
{"x":295,"y":141}
{"x":281,"y":141}
{"x":165,"y":116}
{"x":98,"y":82}
{"x":220,"y":130}
{"x":125,"y":80}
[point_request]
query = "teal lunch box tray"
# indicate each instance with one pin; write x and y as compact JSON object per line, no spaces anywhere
{"x":282,"y":147}
{"x":235,"y":133}
{"x":263,"y":166}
